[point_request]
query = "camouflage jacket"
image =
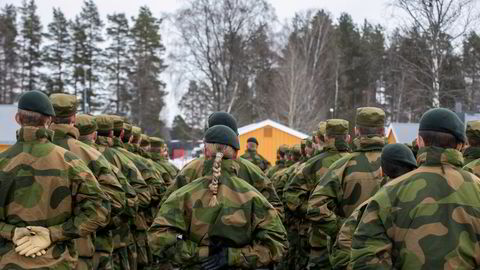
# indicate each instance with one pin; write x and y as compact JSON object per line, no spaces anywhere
{"x":243,"y":220}
{"x":425,"y":219}
{"x":301,"y":185}
{"x":66,"y":136}
{"x":279,"y":164}
{"x":255,"y":158}
{"x":169,"y":167}
{"x":470,"y":154}
{"x":349,"y":181}
{"x":247,"y":171}
{"x":42,"y":184}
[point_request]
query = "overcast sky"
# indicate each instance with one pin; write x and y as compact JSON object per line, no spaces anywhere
{"x":376,"y":11}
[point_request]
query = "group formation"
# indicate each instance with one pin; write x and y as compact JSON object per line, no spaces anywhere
{"x":92,"y":192}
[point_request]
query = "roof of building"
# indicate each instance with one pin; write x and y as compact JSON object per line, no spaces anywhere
{"x":404,"y":132}
{"x":8,"y":125}
{"x":268,"y":122}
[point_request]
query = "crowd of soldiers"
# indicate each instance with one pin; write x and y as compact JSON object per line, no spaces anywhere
{"x":93,"y":192}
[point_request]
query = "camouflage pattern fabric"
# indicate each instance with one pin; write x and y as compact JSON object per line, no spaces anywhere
{"x":42,"y":184}
{"x":248,"y":172}
{"x":298,"y":190}
{"x":349,"y":181}
{"x":66,"y":136}
{"x":169,"y":171}
{"x":252,"y":156}
{"x":425,"y":219}
{"x":470,"y":154}
{"x":243,"y":220}
{"x":279,"y":164}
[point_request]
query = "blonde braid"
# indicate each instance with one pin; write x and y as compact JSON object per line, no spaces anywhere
{"x":217,"y":171}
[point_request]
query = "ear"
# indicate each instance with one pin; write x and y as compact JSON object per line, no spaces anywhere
{"x":17,"y":119}
{"x":420,"y":142}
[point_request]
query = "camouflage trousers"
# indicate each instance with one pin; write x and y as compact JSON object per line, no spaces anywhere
{"x":120,"y":259}
{"x":144,"y":257}
{"x":132,"y":256}
{"x":102,"y":261}
{"x":319,"y":257}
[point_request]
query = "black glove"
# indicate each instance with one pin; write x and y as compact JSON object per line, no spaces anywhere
{"x":217,"y":259}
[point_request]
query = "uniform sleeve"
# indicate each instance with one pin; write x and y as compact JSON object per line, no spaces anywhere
{"x":167,"y":235}
{"x":91,"y":205}
{"x":111,"y":186}
{"x":371,"y":247}
{"x":269,"y":241}
{"x":296,"y":192}
{"x":341,"y":249}
{"x":140,"y":186}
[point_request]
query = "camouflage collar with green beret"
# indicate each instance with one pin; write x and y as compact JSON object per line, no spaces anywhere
{"x":368,"y":143}
{"x":63,"y":131}
{"x":31,"y":134}
{"x":435,"y":156}
{"x":229,"y":166}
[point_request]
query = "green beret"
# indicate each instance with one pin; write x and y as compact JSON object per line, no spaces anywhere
{"x":85,"y":124}
{"x":65,"y":105}
{"x":336,"y":127}
{"x":222,"y":118}
{"x":473,"y":129}
{"x":322,"y":126}
{"x":223,"y":135}
{"x":145,"y":140}
{"x":36,"y":101}
{"x":398,"y":153}
{"x":253,"y":140}
{"x":104,"y":122}
{"x":157,"y":142}
{"x":443,"y":120}
{"x":370,"y":117}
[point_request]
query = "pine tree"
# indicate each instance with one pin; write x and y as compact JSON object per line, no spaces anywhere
{"x":78,"y":60}
{"x":148,"y":90}
{"x":118,"y":61}
{"x":8,"y":54}
{"x":57,"y":53}
{"x":471,"y":68}
{"x":30,"y":54}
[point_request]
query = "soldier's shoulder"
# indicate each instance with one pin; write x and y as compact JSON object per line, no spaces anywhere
{"x":192,"y":165}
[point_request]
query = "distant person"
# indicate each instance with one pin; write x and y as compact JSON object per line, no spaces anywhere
{"x":427,"y":218}
{"x":48,"y":195}
{"x":397,"y":160}
{"x":280,"y":162}
{"x":473,"y":135}
{"x":254,"y":157}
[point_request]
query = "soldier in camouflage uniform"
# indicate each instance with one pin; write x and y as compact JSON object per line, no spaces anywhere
{"x":156,"y":151}
{"x":66,"y":136}
{"x":254,"y":157}
{"x":473,"y":135}
{"x":397,"y":160}
{"x":425,"y":219}
{"x":318,"y":137}
{"x":219,"y":221}
{"x":302,"y":184}
{"x":248,"y":171}
{"x":280,"y":163}
{"x":49,"y":196}
{"x":281,"y":177}
{"x":124,"y":242}
{"x":155,"y":184}
{"x":349,"y":181}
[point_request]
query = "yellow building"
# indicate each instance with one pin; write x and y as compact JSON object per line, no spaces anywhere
{"x":270,"y":135}
{"x":402,"y":132}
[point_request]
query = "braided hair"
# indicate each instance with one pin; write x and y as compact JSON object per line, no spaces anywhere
{"x":219,"y":151}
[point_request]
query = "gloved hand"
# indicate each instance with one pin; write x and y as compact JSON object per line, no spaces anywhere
{"x":217,"y":258}
{"x":36,"y":243}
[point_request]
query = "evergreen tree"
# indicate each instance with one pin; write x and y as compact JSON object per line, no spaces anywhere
{"x":471,"y":68}
{"x":57,"y":53}
{"x":193,"y":104}
{"x":8,"y":54}
{"x":182,"y":131}
{"x":148,"y":90}
{"x":118,"y":61}
{"x":30,"y":54}
{"x":78,"y":58}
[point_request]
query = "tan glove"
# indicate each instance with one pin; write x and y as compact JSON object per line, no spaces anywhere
{"x":35,"y":244}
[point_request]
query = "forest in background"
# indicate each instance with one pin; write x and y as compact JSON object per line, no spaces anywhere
{"x":235,"y":56}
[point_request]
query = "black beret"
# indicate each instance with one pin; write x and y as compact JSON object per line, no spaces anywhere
{"x":223,"y":118}
{"x":398,"y":153}
{"x":36,"y":101}
{"x":223,"y":135}
{"x":252,"y":139}
{"x":443,"y":120}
